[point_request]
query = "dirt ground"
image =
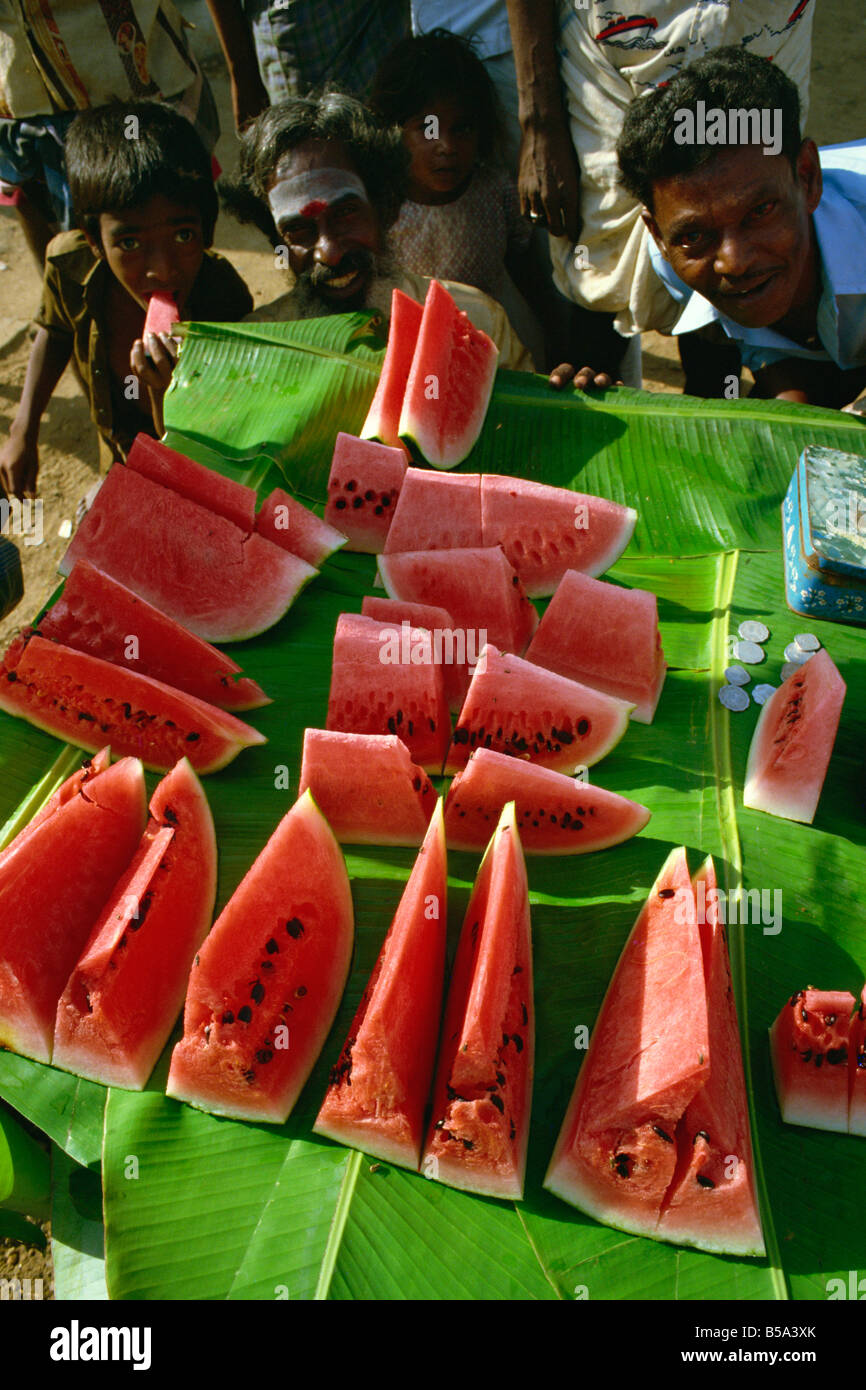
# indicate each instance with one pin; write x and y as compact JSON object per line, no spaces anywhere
{"x":68,"y":450}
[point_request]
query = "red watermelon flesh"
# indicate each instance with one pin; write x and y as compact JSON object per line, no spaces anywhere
{"x":127,"y":989}
{"x":91,"y":767}
{"x":546,"y":531}
{"x":95,"y":614}
{"x":555,"y":814}
{"x":478,"y":587}
{"x":288,"y":523}
{"x":810,"y":1045}
{"x":161,"y":314}
{"x":367,"y":787}
{"x":606,"y":637}
{"x":363,"y":488}
{"x":516,"y":708}
{"x":60,"y":884}
{"x":437,"y":511}
{"x":383,"y":417}
{"x":793,"y":741}
{"x":449,"y":384}
{"x":265,"y":986}
{"x":857,"y":1070}
{"x":199,"y":568}
{"x":227,"y":498}
{"x":616,"y":1155}
{"x":90,"y":702}
{"x":379,"y":1086}
{"x":482,"y":1093}
{"x":448,"y":648}
{"x":369,"y":696}
{"x":712,"y":1196}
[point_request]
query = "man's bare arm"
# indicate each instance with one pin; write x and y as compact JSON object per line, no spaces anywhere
{"x":19,"y":458}
{"x":549,"y":175}
{"x":249,"y":95}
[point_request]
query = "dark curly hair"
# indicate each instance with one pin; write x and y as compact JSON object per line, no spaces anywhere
{"x":377,"y":153}
{"x":418,"y":71}
{"x":727,"y":78}
{"x":113,"y":166}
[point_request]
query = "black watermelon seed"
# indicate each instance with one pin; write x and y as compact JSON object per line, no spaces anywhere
{"x":357,"y":502}
{"x":340,"y":504}
{"x":837,"y":1055}
{"x":377,"y":511}
{"x":662,"y":1135}
{"x":583,"y":727}
{"x":351,"y":485}
{"x":265,"y":1055}
{"x":386,"y":499}
{"x":701,"y":1134}
{"x":468,"y":1144}
{"x":228,"y":1017}
{"x":806,"y":1054}
{"x":271,"y":947}
{"x":500,"y":1078}
{"x":525,"y":1014}
{"x":370,"y":494}
{"x":257,"y":993}
{"x":245,"y":1014}
{"x":170,"y":815}
{"x":249,"y":1076}
{"x":300,"y":991}
{"x":667,"y":892}
{"x":498,"y":1102}
{"x":518,"y":1041}
{"x":705,"y":1182}
{"x":193,"y":738}
{"x":295,"y":928}
{"x":461,"y":735}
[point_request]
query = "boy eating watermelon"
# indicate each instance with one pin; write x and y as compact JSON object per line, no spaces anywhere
{"x":144,"y":198}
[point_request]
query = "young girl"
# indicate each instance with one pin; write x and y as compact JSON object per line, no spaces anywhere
{"x":461,"y":220}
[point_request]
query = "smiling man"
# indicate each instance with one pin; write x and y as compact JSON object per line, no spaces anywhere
{"x":324,"y":182}
{"x":761,"y":239}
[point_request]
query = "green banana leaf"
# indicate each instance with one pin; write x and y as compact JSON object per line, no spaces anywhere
{"x":200,"y":1207}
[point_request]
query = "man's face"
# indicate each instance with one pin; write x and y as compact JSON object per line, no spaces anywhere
{"x":158,"y":246}
{"x":324,"y":216}
{"x":738,"y":230}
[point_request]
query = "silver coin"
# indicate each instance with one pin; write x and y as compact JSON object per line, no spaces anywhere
{"x":734,"y":697}
{"x":762,"y":693}
{"x":790,"y":667}
{"x":795,"y":655}
{"x":735,"y":675}
{"x":807,"y":642}
{"x":754,"y":631}
{"x":749,"y":652}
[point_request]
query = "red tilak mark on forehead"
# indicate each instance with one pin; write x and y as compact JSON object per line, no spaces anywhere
{"x":313,"y":209}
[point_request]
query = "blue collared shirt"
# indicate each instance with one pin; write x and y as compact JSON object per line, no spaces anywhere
{"x":840,"y":228}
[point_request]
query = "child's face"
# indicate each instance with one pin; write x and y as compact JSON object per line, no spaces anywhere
{"x":155,"y":247}
{"x":443,"y":147}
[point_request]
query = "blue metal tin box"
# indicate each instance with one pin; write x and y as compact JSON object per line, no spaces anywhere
{"x":824,"y":536}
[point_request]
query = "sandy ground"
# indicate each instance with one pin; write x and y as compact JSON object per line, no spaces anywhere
{"x":68,"y":451}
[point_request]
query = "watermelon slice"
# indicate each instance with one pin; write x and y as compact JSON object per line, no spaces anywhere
{"x":447,"y":643}
{"x":90,"y":702}
{"x":54,"y":886}
{"x":127,"y":989}
{"x":374,"y":691}
{"x":379,"y":1086}
{"x":857,"y":1070}
{"x":811,"y":1046}
{"x":555,"y":814}
{"x":516,"y":708}
{"x":547,"y":531}
{"x":449,"y":384}
{"x":265,"y":986}
{"x":606,"y":637}
{"x":363,"y":488}
{"x":793,"y":740}
{"x":712,"y":1198}
{"x":383,"y":417}
{"x":208,"y":574}
{"x":161,"y":314}
{"x":95,"y":614}
{"x":656,"y":1140}
{"x":437,"y":511}
{"x":482,"y":1094}
{"x":156,"y":461}
{"x":288,"y":523}
{"x":478,"y":587}
{"x":90,"y":768}
{"x":616,"y":1155}
{"x":367,"y":787}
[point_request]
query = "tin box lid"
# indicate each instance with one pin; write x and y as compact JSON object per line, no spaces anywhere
{"x":832,"y":487}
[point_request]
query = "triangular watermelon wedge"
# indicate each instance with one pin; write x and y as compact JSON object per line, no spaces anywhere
{"x":648,"y":1057}
{"x":383,"y":417}
{"x":378,"y":1089}
{"x":712,"y":1199}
